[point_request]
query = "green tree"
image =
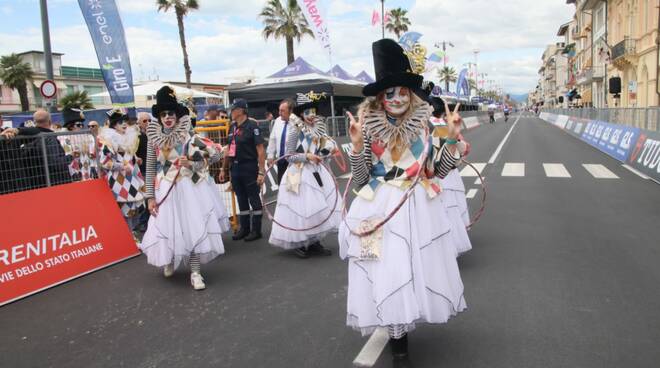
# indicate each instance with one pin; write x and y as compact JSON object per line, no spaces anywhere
{"x":16,"y":74}
{"x":181,"y":9}
{"x":288,"y":23}
{"x":398,"y":22}
{"x":447,"y":74}
{"x":76,"y":100}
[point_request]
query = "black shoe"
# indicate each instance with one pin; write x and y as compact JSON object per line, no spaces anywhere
{"x":240,"y":235}
{"x":399,"y":347}
{"x":317,"y":249}
{"x":302,"y":252}
{"x":253,"y":236}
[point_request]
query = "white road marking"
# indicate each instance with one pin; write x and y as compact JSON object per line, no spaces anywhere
{"x":556,"y":171}
{"x":372,"y":349}
{"x":599,"y":171}
{"x":469,"y":172}
{"x":636,"y":172}
{"x":471,"y":193}
{"x":478,"y":181}
{"x":514,"y":169}
{"x":499,"y":148}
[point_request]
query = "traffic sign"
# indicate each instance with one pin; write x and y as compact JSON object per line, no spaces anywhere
{"x":48,"y":88}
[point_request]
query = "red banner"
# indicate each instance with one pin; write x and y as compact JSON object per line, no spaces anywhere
{"x":53,"y":235}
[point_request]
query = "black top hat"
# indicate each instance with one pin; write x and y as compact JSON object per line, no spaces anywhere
{"x":306,"y":101}
{"x":116,"y":116}
{"x":71,"y":116}
{"x":392,"y":68}
{"x":166,"y":101}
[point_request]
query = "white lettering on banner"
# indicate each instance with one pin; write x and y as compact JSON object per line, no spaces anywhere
{"x":315,"y":19}
{"x":650,"y":155}
{"x":23,"y":252}
{"x":627,"y":140}
{"x":578,"y":126}
{"x":616,"y":136}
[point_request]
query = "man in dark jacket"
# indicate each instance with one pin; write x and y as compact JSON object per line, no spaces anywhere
{"x":32,"y":153}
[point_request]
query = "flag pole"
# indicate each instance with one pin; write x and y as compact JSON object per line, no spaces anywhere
{"x":382,"y":16}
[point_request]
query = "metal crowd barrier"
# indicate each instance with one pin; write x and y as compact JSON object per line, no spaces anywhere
{"x":46,"y":159}
{"x":643,"y":118}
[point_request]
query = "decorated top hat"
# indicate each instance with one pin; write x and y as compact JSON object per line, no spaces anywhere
{"x":392,"y":68}
{"x":116,"y":116}
{"x":166,"y":101}
{"x":309,"y":100}
{"x":71,"y":116}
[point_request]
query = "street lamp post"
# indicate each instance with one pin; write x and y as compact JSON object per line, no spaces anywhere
{"x":382,"y":16}
{"x":476,"y":68}
{"x":48,"y":55}
{"x":444,"y":59}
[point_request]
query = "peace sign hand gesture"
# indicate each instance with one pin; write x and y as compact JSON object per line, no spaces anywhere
{"x":454,"y":121}
{"x":355,"y":132}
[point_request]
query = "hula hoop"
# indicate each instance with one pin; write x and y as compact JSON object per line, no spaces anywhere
{"x":272,"y":218}
{"x":404,"y":198}
{"x":484,"y":188}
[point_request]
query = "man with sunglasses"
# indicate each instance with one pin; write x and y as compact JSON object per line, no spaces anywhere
{"x":245,"y":164}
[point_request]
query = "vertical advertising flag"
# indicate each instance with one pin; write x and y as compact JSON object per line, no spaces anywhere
{"x":318,"y":22}
{"x":462,"y":86}
{"x":107,"y":31}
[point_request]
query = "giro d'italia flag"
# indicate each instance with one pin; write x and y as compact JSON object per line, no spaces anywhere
{"x":105,"y":27}
{"x":318,"y":22}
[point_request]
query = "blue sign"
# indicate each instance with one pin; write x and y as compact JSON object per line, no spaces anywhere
{"x":613,"y":139}
{"x":408,"y":40}
{"x":107,"y":31}
{"x":462,"y":84}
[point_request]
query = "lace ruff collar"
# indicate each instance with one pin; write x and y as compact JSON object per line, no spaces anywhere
{"x":179,"y":134}
{"x":379,"y":128}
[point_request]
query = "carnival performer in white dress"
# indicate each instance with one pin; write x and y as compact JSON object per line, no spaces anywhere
{"x":307,"y":196}
{"x":453,"y":189}
{"x":405,"y":272}
{"x":187,"y":214}
{"x":118,"y":144}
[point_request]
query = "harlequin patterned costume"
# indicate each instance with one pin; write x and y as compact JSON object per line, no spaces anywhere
{"x":301,"y":201}
{"x":454,"y":201}
{"x":406,"y":272}
{"x":82,"y":152}
{"x":192,"y":217}
{"x":117,"y":152}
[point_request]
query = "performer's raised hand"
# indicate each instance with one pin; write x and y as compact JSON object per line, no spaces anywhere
{"x":454,"y":121}
{"x":355,"y":132}
{"x":153,"y":208}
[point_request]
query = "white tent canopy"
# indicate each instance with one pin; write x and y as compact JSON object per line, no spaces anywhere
{"x":150,"y":89}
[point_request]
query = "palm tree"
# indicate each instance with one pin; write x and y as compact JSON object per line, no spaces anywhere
{"x":398,"y":22}
{"x":76,"y":100}
{"x":447,"y":74}
{"x":15,"y":74}
{"x":284,"y":23}
{"x":473,"y":85}
{"x":181,"y":9}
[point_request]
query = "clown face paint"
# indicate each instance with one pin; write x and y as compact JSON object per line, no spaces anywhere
{"x":309,"y":114}
{"x":168,"y":118}
{"x":396,"y":100}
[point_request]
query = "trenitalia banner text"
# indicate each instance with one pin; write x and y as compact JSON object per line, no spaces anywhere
{"x":107,"y":31}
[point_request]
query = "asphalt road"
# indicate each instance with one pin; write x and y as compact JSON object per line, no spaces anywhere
{"x":563,"y":272}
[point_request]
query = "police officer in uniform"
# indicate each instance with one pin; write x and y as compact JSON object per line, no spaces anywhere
{"x":245,"y":163}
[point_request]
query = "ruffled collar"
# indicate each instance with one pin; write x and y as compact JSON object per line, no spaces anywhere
{"x":379,"y":128}
{"x":127,"y":142}
{"x":316,"y":129}
{"x":179,"y":134}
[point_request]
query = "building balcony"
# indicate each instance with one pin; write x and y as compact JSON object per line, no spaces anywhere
{"x":598,"y":72}
{"x":624,"y":49}
{"x":585,"y":76}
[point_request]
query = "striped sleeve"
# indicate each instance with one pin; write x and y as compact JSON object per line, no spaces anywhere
{"x":361,"y":162}
{"x":292,"y":145}
{"x":445,"y":162}
{"x":151,"y":170}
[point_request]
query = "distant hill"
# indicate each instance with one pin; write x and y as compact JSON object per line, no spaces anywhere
{"x":519,"y":98}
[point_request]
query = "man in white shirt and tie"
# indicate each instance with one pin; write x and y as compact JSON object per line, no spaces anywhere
{"x":277,"y":140}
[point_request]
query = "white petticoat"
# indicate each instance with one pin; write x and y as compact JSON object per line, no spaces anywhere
{"x":309,"y":207}
{"x":454,"y":201}
{"x":191,"y":219}
{"x":416,"y":278}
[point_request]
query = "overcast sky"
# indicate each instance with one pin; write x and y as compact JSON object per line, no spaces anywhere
{"x":224,"y":36}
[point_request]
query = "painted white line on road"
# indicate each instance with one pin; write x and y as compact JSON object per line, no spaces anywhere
{"x":469,"y":172}
{"x":636,"y":172}
{"x":514,"y":169}
{"x":471,"y":193}
{"x":556,"y":171}
{"x":499,"y":148}
{"x":478,"y":181}
{"x":372,"y":349}
{"x":599,"y":171}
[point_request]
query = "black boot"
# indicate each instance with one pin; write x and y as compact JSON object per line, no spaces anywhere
{"x":256,"y":228}
{"x":317,"y":249}
{"x":244,"y":221}
{"x":399,"y":347}
{"x":302,"y":252}
{"x":242,"y":233}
